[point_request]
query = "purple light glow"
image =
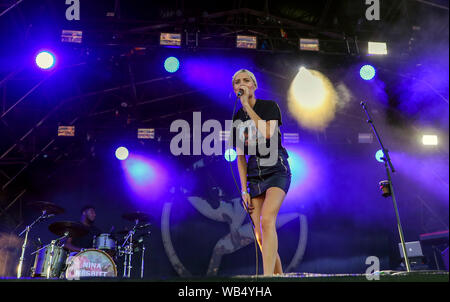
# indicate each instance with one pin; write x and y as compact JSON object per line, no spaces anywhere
{"x":429,"y":173}
{"x":423,"y":89}
{"x":146,"y":177}
{"x":305,"y":176}
{"x":215,"y":76}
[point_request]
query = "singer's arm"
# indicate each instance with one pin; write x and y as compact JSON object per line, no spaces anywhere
{"x":266,"y":128}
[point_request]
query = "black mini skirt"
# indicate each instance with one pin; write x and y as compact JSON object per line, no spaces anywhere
{"x":260,"y":177}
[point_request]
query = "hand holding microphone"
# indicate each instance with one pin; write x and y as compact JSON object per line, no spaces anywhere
{"x":243,"y":95}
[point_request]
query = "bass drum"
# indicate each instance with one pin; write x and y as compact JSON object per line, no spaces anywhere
{"x":91,"y":263}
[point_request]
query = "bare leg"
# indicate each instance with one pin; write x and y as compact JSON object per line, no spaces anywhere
{"x":271,"y":206}
{"x":258,"y":202}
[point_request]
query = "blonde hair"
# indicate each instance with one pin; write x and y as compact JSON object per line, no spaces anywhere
{"x":252,"y":76}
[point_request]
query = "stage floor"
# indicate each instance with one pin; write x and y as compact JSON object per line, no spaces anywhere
{"x":382,"y":276}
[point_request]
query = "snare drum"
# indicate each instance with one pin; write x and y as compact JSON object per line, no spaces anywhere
{"x":105,"y":243}
{"x":42,"y":261}
{"x":91,"y":263}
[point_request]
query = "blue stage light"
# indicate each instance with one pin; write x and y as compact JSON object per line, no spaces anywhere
{"x":171,"y":64}
{"x":45,"y":60}
{"x":367,"y":72}
{"x":122,"y":153}
{"x":379,"y":155}
{"x":230,"y":155}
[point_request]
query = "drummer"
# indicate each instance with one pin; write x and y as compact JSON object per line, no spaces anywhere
{"x":85,"y":242}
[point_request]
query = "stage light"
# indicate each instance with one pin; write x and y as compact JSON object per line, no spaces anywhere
{"x":430,"y":140}
{"x":312,"y":99}
{"x":230,"y":155}
{"x":377,"y":48}
{"x":170,"y":39}
{"x":299,"y":168}
{"x":71,"y":36}
{"x":246,"y":42}
{"x":309,"y":89}
{"x":171,"y":64}
{"x":365,"y":138}
{"x":141,"y":171}
{"x":146,"y":133}
{"x":309,"y":44}
{"x":45,"y":60}
{"x":367,"y":72}
{"x":122,"y":153}
{"x":379,"y":155}
{"x":66,"y":130}
{"x":291,"y":138}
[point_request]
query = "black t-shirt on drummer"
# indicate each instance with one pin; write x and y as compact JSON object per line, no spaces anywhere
{"x":246,"y":134}
{"x":87,"y":241}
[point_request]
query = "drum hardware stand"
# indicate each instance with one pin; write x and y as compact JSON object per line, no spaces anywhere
{"x":25,"y":242}
{"x":129,"y":251}
{"x":142,"y":261}
{"x":387,"y":161}
{"x":53,"y":243}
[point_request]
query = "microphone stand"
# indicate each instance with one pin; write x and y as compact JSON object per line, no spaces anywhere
{"x":388,"y":164}
{"x":25,"y":242}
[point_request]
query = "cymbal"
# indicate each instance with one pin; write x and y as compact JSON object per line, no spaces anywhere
{"x":122,"y":232}
{"x":127,"y":230}
{"x":75,"y":229}
{"x":47,"y":206}
{"x":142,"y":217}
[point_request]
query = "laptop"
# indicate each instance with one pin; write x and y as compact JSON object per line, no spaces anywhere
{"x":413,"y":249}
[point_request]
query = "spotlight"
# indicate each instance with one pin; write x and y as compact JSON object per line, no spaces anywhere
{"x":309,"y":44}
{"x":430,"y":140}
{"x":291,"y":138}
{"x":230,"y":154}
{"x":71,"y":36}
{"x":66,"y":130}
{"x":246,"y":42}
{"x":312,"y":99}
{"x":379,"y":155}
{"x":171,"y":64}
{"x":377,"y":48}
{"x":170,"y":39}
{"x":309,"y":89}
{"x":122,"y":153}
{"x":146,"y":133}
{"x":45,"y":60}
{"x":367,"y":72}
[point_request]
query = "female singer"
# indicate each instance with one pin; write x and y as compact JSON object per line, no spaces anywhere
{"x":267,"y":184}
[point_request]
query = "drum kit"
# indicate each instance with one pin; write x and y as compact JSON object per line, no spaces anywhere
{"x":54,"y":261}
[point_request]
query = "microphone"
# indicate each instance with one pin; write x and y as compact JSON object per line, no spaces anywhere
{"x":240,"y":93}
